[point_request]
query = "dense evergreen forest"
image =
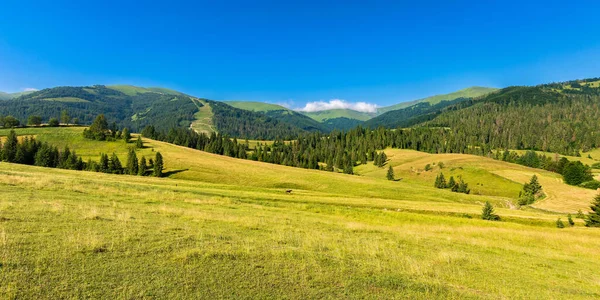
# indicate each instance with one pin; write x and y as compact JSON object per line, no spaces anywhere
{"x":559,"y":117}
{"x":409,"y":116}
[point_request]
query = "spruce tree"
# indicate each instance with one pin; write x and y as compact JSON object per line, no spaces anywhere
{"x":440,"y":181}
{"x":132,"y":162}
{"x":593,"y":217}
{"x":451,"y":183}
{"x":115,"y":165}
{"x":390,"y":173}
{"x":158,"y":165}
{"x":142,"y":167}
{"x":139,"y":143}
{"x":488,"y":212}
{"x":104,"y":163}
{"x":10,"y":147}
{"x":126,"y":135}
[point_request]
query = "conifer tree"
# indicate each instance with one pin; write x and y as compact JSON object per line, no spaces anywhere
{"x":559,"y":223}
{"x":10,"y":147}
{"x":132,"y":162}
{"x":440,"y":181}
{"x":488,"y":212}
{"x":126,"y":135}
{"x":104,"y":163}
{"x":115,"y":165}
{"x":390,"y":173}
{"x":158,"y":165}
{"x":139,"y":143}
{"x":142,"y":167}
{"x":451,"y":183}
{"x":593,"y":217}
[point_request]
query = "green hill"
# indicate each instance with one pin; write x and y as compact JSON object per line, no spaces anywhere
{"x":470,"y":92}
{"x":221,"y":227}
{"x":137,"y":107}
{"x":9,"y":96}
{"x":324,"y":115}
{"x":255,"y":106}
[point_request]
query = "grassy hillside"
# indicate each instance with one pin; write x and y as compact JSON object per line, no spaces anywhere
{"x":221,"y":227}
{"x":325,"y":115}
{"x":469,"y":92}
{"x":131,"y":90}
{"x":9,"y":96}
{"x":255,"y":106}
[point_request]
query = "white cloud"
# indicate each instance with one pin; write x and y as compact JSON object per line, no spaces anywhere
{"x":29,"y":89}
{"x":339,"y":104}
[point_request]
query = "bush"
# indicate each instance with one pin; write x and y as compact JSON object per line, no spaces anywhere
{"x":559,"y":223}
{"x":592,"y":185}
{"x":53,"y":122}
{"x":570,"y":220}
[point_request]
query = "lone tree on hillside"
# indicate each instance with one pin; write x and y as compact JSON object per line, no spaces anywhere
{"x":488,"y":212}
{"x":593,"y":218}
{"x":390,"y":173}
{"x":158,"y":165}
{"x":53,"y":122}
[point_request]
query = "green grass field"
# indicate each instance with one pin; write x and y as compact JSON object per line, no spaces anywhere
{"x":203,"y":118}
{"x":220,"y":227}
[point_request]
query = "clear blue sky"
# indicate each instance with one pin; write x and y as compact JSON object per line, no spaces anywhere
{"x":380,"y":52}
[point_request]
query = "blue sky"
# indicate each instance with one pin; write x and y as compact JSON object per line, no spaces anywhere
{"x":381,"y":52}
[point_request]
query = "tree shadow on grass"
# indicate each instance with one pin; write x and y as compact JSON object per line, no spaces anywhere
{"x":173,"y":172}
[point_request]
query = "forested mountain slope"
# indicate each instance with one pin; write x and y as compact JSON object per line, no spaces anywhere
{"x":137,"y":107}
{"x":470,"y":92}
{"x":557,"y":117}
{"x":134,"y":110}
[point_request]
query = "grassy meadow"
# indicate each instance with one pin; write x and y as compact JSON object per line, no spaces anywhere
{"x":220,"y":227}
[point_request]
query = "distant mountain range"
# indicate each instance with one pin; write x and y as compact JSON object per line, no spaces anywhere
{"x":477,"y":112}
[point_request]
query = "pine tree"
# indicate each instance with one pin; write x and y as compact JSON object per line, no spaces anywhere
{"x":132,"y":162}
{"x":158,"y":165}
{"x":104,"y":163}
{"x":126,"y":135}
{"x":10,"y":147}
{"x":440,"y":181}
{"x":451,"y":183}
{"x":142,"y":167}
{"x":390,"y":173}
{"x":593,"y":217}
{"x":115,"y":165}
{"x":139,"y":143}
{"x":559,"y":223}
{"x":488,"y":212}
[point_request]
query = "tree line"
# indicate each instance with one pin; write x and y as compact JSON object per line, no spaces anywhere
{"x":30,"y":151}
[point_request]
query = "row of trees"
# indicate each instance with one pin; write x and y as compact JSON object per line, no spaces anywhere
{"x":29,"y":151}
{"x":36,"y":120}
{"x":459,"y":186}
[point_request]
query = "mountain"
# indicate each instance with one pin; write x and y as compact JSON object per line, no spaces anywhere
{"x":324,"y":115}
{"x":556,"y":117}
{"x":471,"y":92}
{"x":137,"y":107}
{"x":8,"y":96}
{"x":255,"y":106}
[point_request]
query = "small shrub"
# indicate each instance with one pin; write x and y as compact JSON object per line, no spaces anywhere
{"x":559,"y":223}
{"x":570,"y":220}
{"x":592,"y":185}
{"x":428,"y":167}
